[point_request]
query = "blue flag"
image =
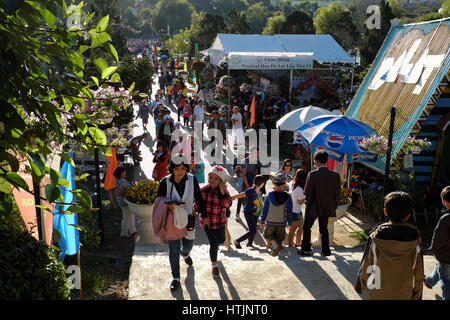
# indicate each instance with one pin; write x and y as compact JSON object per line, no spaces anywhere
{"x":69,"y":242}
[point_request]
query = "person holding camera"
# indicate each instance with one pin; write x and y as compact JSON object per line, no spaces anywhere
{"x":217,"y":200}
{"x":183,"y":189}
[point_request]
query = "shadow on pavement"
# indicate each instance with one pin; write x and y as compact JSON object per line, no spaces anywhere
{"x":189,"y":283}
{"x":316,"y":280}
{"x":231,"y":288}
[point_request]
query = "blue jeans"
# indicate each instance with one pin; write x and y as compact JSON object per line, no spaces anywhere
{"x":215,"y":237}
{"x":183,"y":246}
{"x":252,"y":222}
{"x":441,"y":274}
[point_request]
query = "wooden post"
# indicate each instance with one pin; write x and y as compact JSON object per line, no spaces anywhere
{"x":79,"y":274}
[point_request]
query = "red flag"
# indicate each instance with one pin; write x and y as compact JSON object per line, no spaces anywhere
{"x":178,"y":63}
{"x":253,"y":112}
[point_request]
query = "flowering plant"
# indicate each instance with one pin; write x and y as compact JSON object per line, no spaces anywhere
{"x":346,"y":196}
{"x":120,"y":142}
{"x":413,"y":142}
{"x":105,"y":103}
{"x":375,"y":144}
{"x":142,"y":192}
{"x":245,"y":87}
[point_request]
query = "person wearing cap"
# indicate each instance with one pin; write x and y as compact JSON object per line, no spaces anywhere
{"x":277,"y":210}
{"x":217,"y":200}
{"x":165,"y":130}
{"x":183,"y":187}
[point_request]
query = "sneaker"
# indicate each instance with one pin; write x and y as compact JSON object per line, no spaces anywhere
{"x":188,"y":261}
{"x":215,"y":272}
{"x":304,"y":253}
{"x":174,"y":285}
{"x":425,"y":283}
{"x":237,"y":245}
{"x":276,"y":251}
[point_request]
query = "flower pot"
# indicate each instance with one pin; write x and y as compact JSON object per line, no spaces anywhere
{"x":145,"y":227}
{"x":415,"y":149}
{"x":121,"y":150}
{"x":341,"y":210}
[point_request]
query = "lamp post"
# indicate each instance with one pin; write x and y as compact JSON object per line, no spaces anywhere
{"x":388,"y":154}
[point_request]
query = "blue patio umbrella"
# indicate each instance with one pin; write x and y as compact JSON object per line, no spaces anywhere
{"x":339,"y":135}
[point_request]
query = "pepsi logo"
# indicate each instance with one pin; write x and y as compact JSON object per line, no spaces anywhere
{"x":355,"y":157}
{"x":334,"y":142}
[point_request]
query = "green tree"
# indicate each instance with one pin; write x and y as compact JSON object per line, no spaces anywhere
{"x":180,"y":42}
{"x":257,"y":16}
{"x":374,"y":38}
{"x":274,"y":24}
{"x":222,"y":7}
{"x":42,"y":75}
{"x":206,"y":31}
{"x":308,"y":7}
{"x":236,"y":22}
{"x":396,"y":7}
{"x":173,"y":13}
{"x":445,"y":12}
{"x":298,"y":22}
{"x":336,"y":20}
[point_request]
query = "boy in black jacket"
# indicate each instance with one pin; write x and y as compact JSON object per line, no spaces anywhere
{"x":440,"y":246}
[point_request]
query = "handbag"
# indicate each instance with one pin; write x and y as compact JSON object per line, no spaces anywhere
{"x":190,"y":226}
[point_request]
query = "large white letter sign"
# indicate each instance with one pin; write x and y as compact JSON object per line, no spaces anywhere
{"x":390,"y":68}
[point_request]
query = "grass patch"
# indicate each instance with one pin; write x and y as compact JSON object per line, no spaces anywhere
{"x":94,"y":283}
{"x":361,"y":236}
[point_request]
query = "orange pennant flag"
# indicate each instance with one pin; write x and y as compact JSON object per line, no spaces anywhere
{"x":253,"y":112}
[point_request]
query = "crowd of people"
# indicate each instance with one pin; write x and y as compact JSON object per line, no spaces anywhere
{"x":288,"y":212}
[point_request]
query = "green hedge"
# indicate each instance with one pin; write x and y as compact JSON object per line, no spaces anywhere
{"x":29,"y":269}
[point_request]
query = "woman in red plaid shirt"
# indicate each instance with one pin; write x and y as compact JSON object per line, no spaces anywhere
{"x":217,"y":200}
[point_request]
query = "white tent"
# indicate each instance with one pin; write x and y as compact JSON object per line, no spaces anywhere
{"x":323,"y":46}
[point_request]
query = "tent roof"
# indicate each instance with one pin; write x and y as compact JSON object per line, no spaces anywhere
{"x":324,"y":47}
{"x":249,"y":43}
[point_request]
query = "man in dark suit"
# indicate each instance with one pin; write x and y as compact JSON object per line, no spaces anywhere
{"x":322,"y":191}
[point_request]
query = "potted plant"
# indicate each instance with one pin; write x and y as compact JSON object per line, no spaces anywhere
{"x":140,"y":198}
{"x":376,"y":144}
{"x":416,"y":145}
{"x":345,"y":200}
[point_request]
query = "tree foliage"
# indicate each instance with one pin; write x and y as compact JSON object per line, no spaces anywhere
{"x":236,"y":22}
{"x":173,"y":13}
{"x":373,"y":38}
{"x":42,"y":75}
{"x":336,"y":20}
{"x":206,"y":31}
{"x":257,"y":16}
{"x":274,"y":24}
{"x":298,"y":22}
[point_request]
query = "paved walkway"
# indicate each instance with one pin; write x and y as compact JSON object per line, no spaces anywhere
{"x":246,"y":274}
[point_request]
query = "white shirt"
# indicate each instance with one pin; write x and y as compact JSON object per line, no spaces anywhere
{"x":199,"y":112}
{"x":238,"y":118}
{"x":297,"y":194}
